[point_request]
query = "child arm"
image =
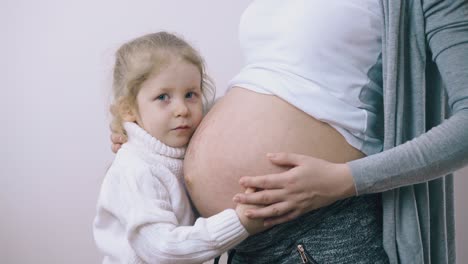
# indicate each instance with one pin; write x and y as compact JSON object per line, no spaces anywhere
{"x":156,"y":235}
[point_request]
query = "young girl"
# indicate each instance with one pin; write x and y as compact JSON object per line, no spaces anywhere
{"x":143,"y":212}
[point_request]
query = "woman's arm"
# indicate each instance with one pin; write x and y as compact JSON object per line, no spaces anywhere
{"x":444,"y":148}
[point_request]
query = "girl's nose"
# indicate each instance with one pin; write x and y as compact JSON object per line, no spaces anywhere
{"x":180,"y":109}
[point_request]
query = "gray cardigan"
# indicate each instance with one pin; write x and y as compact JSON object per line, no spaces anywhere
{"x":425,"y":80}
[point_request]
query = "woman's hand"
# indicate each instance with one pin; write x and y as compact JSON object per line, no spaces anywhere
{"x":117,"y":141}
{"x":311,"y":183}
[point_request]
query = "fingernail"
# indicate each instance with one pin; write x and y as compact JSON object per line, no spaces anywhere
{"x":248,"y":214}
{"x":271,"y":155}
{"x":236,"y":199}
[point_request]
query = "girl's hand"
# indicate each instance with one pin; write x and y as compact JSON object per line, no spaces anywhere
{"x":117,"y":141}
{"x":252,"y":225}
{"x":311,"y":183}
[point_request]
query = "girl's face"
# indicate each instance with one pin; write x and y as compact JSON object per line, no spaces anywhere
{"x":170,"y":103}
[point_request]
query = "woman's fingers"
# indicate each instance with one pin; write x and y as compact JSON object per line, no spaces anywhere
{"x":250,"y":190}
{"x":269,"y":181}
{"x":265,"y":197}
{"x":274,"y":181}
{"x":286,"y":159}
{"x":273,"y":211}
{"x":308,"y":184}
{"x":281,"y":219}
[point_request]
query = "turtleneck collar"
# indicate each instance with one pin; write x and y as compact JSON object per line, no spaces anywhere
{"x":153,"y":151}
{"x":139,"y":137}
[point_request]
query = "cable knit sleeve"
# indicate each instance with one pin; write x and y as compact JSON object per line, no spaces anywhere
{"x":156,"y":236}
{"x":444,"y":148}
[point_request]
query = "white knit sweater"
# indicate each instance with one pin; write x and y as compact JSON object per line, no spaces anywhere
{"x":144,"y":214}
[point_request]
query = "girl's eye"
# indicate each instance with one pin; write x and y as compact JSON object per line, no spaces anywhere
{"x":163,"y":97}
{"x":190,"y":95}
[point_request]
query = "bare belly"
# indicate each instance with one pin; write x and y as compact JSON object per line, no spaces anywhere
{"x":234,"y":137}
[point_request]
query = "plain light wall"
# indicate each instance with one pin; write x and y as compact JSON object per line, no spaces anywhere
{"x":55,"y":77}
{"x":56,"y":72}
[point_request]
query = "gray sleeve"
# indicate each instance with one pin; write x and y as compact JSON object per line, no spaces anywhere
{"x":444,"y":148}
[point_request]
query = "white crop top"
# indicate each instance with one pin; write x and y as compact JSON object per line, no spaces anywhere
{"x":323,"y":57}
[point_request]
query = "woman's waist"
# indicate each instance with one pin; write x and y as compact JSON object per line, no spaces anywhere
{"x":352,"y":219}
{"x":234,"y":137}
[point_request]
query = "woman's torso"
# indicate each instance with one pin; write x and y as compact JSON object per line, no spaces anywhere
{"x":305,"y":61}
{"x":235,"y":136}
{"x":322,"y":57}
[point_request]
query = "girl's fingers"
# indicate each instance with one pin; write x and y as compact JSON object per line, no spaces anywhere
{"x":115,"y":147}
{"x":118,"y":138}
{"x":115,"y":138}
{"x":264,"y":197}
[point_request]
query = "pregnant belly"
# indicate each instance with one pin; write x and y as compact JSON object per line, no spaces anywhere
{"x":234,"y":137}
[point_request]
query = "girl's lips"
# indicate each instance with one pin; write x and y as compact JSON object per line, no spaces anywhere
{"x":182,"y":128}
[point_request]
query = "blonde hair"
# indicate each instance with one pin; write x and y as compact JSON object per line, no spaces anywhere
{"x":137,"y":59}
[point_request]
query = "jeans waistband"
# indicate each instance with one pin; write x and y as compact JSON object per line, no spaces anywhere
{"x":357,"y":209}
